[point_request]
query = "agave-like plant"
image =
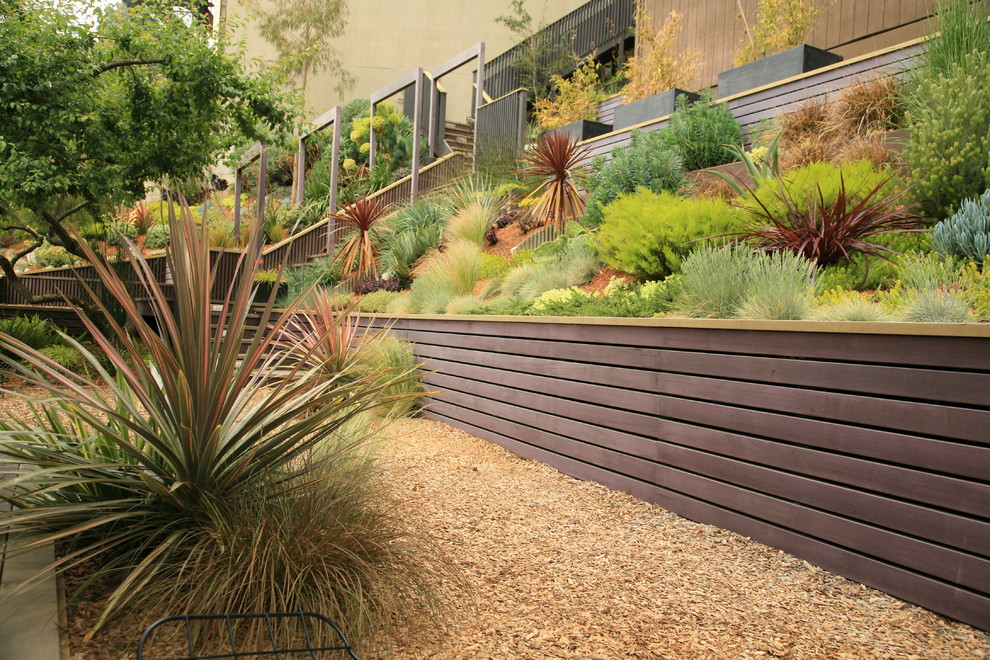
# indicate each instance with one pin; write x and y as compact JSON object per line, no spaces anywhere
{"x":824,"y":233}
{"x":196,"y":413}
{"x":549,"y":171}
{"x":359,"y":223}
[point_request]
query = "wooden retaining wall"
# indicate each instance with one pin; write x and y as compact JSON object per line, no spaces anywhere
{"x":866,"y":454}
{"x":764,"y":102}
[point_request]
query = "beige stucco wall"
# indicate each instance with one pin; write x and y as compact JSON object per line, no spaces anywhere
{"x":388,"y":38}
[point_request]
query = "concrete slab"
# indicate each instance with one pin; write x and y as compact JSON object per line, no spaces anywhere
{"x":29,"y":621}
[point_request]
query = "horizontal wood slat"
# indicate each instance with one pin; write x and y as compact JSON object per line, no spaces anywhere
{"x":865,"y":453}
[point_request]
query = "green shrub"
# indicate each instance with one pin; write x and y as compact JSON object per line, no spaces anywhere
{"x":649,"y":162}
{"x":701,"y":130}
{"x":947,"y":150}
{"x":804,"y":183}
{"x":641,"y":300}
{"x":54,"y":256}
{"x":647,"y":234}
{"x":66,"y":356}
{"x":118,"y":231}
{"x":377,"y":302}
{"x":386,"y":355}
{"x":34,"y":331}
{"x":861,"y":273}
{"x":157,"y":237}
{"x":967,"y":233}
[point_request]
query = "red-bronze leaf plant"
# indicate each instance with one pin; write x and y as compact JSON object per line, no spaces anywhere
{"x":359,"y":223}
{"x":825,"y":233}
{"x":549,"y":170}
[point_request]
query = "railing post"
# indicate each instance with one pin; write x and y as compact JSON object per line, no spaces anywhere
{"x":417,"y":131}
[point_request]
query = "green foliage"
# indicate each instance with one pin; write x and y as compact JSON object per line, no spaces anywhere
{"x":648,"y":234}
{"x":167,"y":476}
{"x":958,"y":32}
{"x":862,"y":273}
{"x":416,"y":229}
{"x":949,"y":142}
{"x":718,"y":282}
{"x":99,"y":90}
{"x":470,"y":224}
{"x":618,"y":300}
{"x":936,"y":306}
{"x":384,"y":356}
{"x":67,"y":357}
{"x":649,"y":161}
{"x":34,"y":331}
{"x":850,"y":306}
{"x":468,"y":304}
{"x":377,"y":302}
{"x":967,"y":233}
{"x":54,"y":256}
{"x":322,"y":273}
{"x":701,"y":130}
{"x":780,"y":287}
{"x":119,"y":231}
{"x":574,"y":98}
{"x":157,"y":237}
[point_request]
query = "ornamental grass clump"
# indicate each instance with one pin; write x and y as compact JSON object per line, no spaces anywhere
{"x":208,"y":431}
{"x":658,"y":66}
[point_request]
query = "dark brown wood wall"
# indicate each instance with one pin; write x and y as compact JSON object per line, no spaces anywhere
{"x":868,"y":455}
{"x":848,"y":27}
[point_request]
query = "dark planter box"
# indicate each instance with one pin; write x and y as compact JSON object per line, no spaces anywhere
{"x":584,"y":129}
{"x":791,"y":62}
{"x":652,"y":107}
{"x":265,"y":291}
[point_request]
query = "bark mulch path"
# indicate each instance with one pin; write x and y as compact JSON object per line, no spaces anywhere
{"x":563,"y":568}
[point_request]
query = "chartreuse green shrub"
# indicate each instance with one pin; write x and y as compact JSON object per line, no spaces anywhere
{"x":619,"y":299}
{"x":845,"y":305}
{"x":733,"y":281}
{"x":862,"y":273}
{"x":967,"y":233}
{"x":198,"y":482}
{"x":54,"y":256}
{"x":650,"y":161}
{"x":377,"y":302}
{"x":947,"y":150}
{"x":648,"y":234}
{"x":118,"y":231}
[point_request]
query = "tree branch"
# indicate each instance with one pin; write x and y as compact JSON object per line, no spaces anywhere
{"x":134,"y":61}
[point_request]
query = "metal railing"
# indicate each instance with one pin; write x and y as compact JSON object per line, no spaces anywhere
{"x":594,"y":27}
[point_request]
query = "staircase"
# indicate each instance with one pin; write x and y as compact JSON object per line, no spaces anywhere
{"x":459,"y":137}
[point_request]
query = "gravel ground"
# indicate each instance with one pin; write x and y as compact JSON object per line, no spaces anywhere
{"x":562,"y":568}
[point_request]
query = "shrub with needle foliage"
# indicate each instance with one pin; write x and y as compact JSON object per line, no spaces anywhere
{"x":193,"y":440}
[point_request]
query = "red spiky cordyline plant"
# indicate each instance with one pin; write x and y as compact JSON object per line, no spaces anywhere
{"x":549,"y":169}
{"x":358,"y":223}
{"x":826,"y":233}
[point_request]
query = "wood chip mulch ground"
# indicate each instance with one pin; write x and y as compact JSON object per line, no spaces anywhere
{"x":561,"y":568}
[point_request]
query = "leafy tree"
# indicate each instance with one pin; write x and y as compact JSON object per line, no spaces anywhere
{"x":302,"y":32}
{"x":90,"y":111}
